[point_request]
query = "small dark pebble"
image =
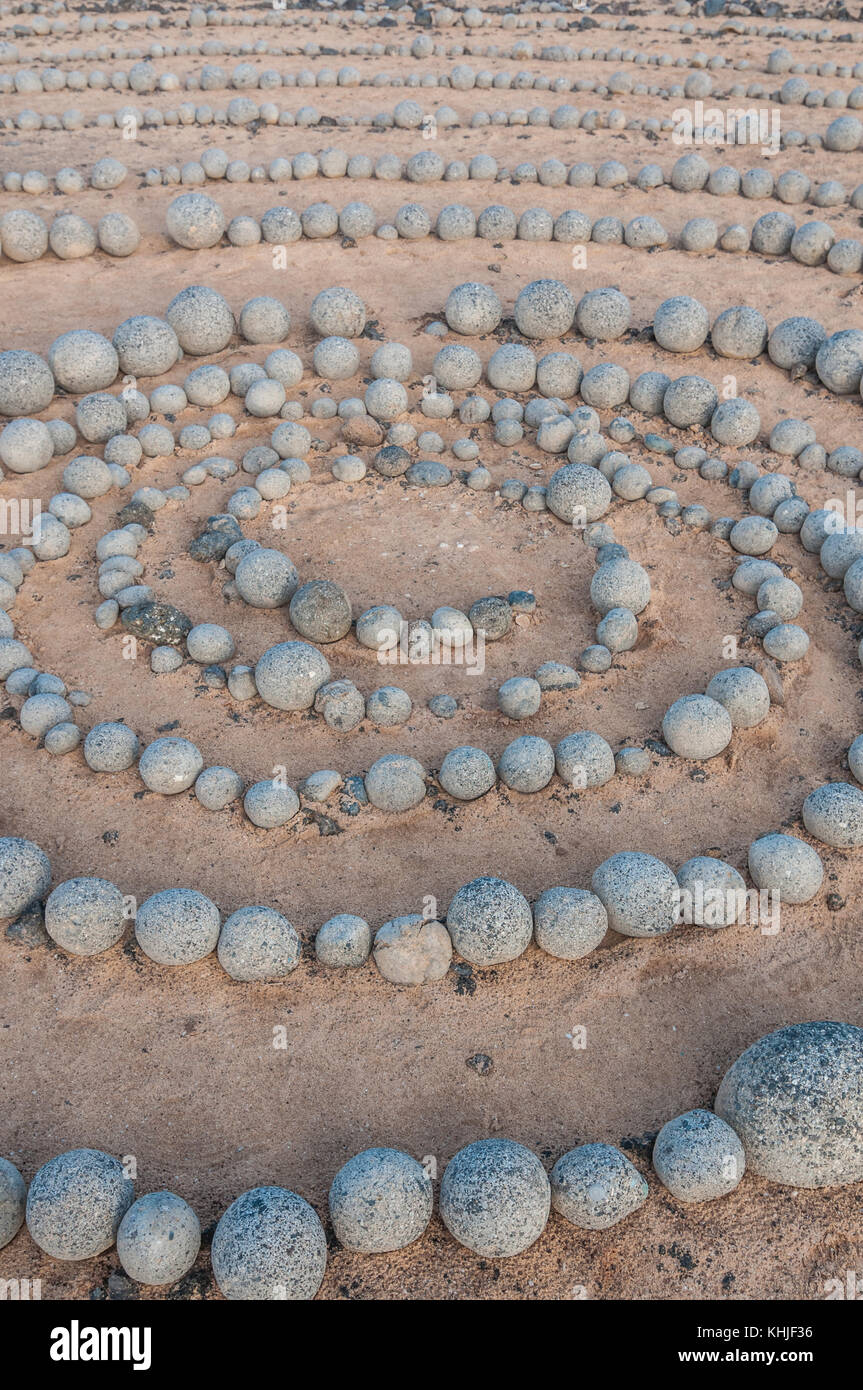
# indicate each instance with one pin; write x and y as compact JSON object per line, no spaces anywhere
{"x":159,"y":623}
{"x":138,"y":513}
{"x":481,"y":1063}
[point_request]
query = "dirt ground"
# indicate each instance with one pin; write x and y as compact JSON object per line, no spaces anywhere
{"x":178,"y":1068}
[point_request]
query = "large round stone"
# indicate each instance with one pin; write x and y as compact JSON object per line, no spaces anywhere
{"x":795,"y":1097}
{"x":289,"y":676}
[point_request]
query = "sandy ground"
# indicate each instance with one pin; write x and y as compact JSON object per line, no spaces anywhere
{"x":178,"y":1068}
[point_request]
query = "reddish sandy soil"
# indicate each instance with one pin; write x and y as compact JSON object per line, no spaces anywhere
{"x":177,"y":1067}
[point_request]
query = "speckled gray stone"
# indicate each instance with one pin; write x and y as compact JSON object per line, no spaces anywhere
{"x":258,"y":943}
{"x":618,"y":630}
{"x":321,"y":611}
{"x":83,"y":361}
{"x":696,"y":726}
{"x":177,"y":926}
{"x":681,"y":324}
{"x":395,"y":783}
{"x":85,"y":916}
{"x":270,"y":805}
{"x":639,"y":893}
{"x":489,"y":921}
{"x":389,"y":706}
{"x":603,"y":314}
{"x":584,"y":759}
{"x":76,"y":1202}
{"x":216,"y":787}
{"x":13,"y":1200}
{"x":595,"y":1186}
{"x":345,"y":940}
{"x":158,"y":1239}
{"x":786,"y":642}
{"x":269,"y":1245}
{"x":266,"y":578}
{"x":712,"y":893}
{"x":202,"y":320}
{"x":467,"y":773}
{"x":170,"y":765}
{"x":195,"y":221}
{"x":833,"y":814}
{"x":338,"y":312}
{"x":527,"y":764}
{"x":289,"y":675}
{"x":519,"y":697}
{"x":795,"y":1098}
{"x":473,"y":309}
{"x":744,"y":694}
{"x":381,"y":1200}
{"x":378,"y":628}
{"x":110,"y":747}
{"x":25,"y":875}
{"x":40,"y":713}
{"x":578,"y":494}
{"x":839,"y":361}
{"x":632,"y":762}
{"x":698,"y":1157}
{"x":26,"y":383}
{"x":795,"y":342}
{"x":341,"y":704}
{"x":495,"y":1198}
{"x":512,"y":367}
{"x":786,"y":866}
{"x":735,"y":422}
{"x":620,"y":584}
{"x":544,"y":309}
{"x":412,"y":950}
{"x":569,"y":922}
{"x":209,"y":642}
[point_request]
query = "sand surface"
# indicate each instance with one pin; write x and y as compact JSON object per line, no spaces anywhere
{"x":177,"y":1068}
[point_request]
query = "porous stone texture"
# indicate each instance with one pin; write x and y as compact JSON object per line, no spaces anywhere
{"x":85,"y":915}
{"x":13,"y":1200}
{"x":76,"y":1202}
{"x":833,"y":814}
{"x":795,"y":1098}
{"x":380,"y":1200}
{"x":345,"y":940}
{"x":320,"y":611}
{"x":158,"y":1239}
{"x":467,"y":773}
{"x":744,"y":693}
{"x":698,"y":1157}
{"x":697,"y":727}
{"x":495,"y":1198}
{"x":786,"y":866}
{"x":170,"y":765}
{"x":712,"y":893}
{"x":569,"y":922}
{"x":25,"y":875}
{"x":266,"y":578}
{"x":489,"y":921}
{"x":258,"y":943}
{"x":269,"y":1245}
{"x":201,"y":319}
{"x":639,"y":893}
{"x":395,"y":783}
{"x":177,"y":926}
{"x":595,"y":1186}
{"x":289,"y":675}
